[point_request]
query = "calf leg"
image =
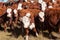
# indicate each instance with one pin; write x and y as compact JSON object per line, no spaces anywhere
{"x":27,"y":32}
{"x":10,"y":23}
{"x":5,"y":26}
{"x":34,"y":29}
{"x":58,"y":24}
{"x":32,"y":26}
{"x":16,"y":20}
{"x":59,"y":30}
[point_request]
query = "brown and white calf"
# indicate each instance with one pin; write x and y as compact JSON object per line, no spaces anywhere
{"x":27,"y":17}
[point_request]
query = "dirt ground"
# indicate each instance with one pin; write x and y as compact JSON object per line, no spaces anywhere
{"x":44,"y":36}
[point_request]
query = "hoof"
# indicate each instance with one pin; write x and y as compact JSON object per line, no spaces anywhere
{"x":50,"y":36}
{"x":36,"y":34}
{"x":26,"y":37}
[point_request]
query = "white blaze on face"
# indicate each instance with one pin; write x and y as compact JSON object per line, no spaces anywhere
{"x":40,"y":1}
{"x":41,"y":15}
{"x":15,"y":12}
{"x":19,"y":6}
{"x":26,"y":21}
{"x":28,"y":14}
{"x":9,"y":10}
{"x":43,"y":5}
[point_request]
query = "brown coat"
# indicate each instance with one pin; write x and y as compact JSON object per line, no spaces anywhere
{"x":53,"y":15}
{"x":2,"y":10}
{"x":33,"y":12}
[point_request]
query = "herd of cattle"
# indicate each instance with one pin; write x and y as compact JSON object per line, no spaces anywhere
{"x":28,"y":13}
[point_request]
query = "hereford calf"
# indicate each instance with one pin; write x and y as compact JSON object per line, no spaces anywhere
{"x":9,"y":16}
{"x":52,"y":18}
{"x":28,"y":20}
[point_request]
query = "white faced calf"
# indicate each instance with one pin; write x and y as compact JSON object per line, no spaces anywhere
{"x":9,"y":10}
{"x":28,"y":25}
{"x":19,"y":6}
{"x":41,"y":15}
